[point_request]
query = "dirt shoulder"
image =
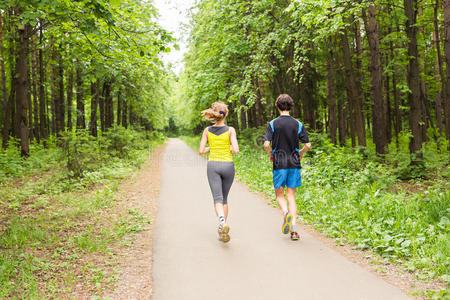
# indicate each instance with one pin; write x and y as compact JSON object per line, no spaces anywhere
{"x":139,"y":192}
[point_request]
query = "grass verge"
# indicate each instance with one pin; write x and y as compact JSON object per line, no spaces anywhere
{"x":60,"y":224}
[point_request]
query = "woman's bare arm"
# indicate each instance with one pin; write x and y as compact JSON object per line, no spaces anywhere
{"x":203,"y":149}
{"x":234,"y":142}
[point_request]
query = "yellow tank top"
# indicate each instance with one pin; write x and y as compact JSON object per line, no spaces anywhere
{"x":219,"y":143}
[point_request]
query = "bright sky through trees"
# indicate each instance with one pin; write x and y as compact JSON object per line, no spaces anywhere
{"x":174,"y":17}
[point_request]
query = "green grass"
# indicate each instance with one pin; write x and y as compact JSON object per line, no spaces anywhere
{"x":59,"y":230}
{"x":355,"y":198}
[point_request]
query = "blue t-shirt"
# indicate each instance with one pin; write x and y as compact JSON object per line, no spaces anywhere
{"x":285,"y":133}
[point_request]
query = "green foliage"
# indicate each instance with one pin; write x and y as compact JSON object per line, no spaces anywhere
{"x":114,"y":42}
{"x":433,"y":165}
{"x":51,"y":219}
{"x":134,"y":223}
{"x":89,"y":157}
{"x":13,"y":165}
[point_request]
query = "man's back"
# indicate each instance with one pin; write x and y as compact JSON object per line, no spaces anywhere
{"x":285,"y":133}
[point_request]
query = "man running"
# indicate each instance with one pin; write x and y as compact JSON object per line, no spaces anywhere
{"x":281,"y":142}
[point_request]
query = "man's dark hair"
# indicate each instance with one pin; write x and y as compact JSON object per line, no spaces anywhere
{"x":284,"y":102}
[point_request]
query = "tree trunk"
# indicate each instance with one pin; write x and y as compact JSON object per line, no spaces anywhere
{"x":5,"y":103}
{"x":243,"y":114}
{"x":332,"y":122}
{"x":124,"y":114}
{"x":413,"y":77}
{"x":258,"y":112}
{"x":95,"y":91}
{"x":341,"y":96}
{"x":254,"y":115}
{"x":108,"y":106}
{"x":307,"y":92}
{"x":341,"y":123}
{"x":131,"y":114}
{"x":42,"y":100}
{"x":60,"y":113}
{"x":440,"y":96}
{"x":232,"y":119}
{"x":262,"y":106}
{"x":81,"y":122}
{"x":446,"y":103}
{"x":388,"y":111}
{"x":22,"y":86}
{"x":426,"y":116}
{"x":35,"y":92}
{"x":29,"y":104}
{"x":358,"y":73}
{"x":376,"y":87}
{"x":69,"y":98}
{"x":102,"y":107}
{"x":54,"y":93}
{"x":353,"y":95}
{"x":119,"y":106}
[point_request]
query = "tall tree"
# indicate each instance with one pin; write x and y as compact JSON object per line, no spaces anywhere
{"x":447,"y":61}
{"x":119,"y":106}
{"x":440,"y":95}
{"x":332,"y":117}
{"x":81,"y":123}
{"x":5,"y":104}
{"x":35,"y":91}
{"x":69,"y":98}
{"x":376,"y":87}
{"x":352,"y":90}
{"x":413,"y":78}
{"x":59,"y":105}
{"x":43,"y":125}
{"x":95,"y":95}
{"x":22,"y":85}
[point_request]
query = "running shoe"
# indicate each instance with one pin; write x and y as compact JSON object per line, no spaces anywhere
{"x":286,"y":223}
{"x":225,"y":235}
{"x":219,"y":231}
{"x":294,"y":236}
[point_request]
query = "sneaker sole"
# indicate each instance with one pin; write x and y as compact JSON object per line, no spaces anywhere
{"x":225,"y":235}
{"x":287,"y":224}
{"x":295,"y":238}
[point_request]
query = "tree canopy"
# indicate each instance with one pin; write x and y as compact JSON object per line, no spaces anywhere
{"x":368,"y":70}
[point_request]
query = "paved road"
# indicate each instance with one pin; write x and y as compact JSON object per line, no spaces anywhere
{"x":258,"y":263}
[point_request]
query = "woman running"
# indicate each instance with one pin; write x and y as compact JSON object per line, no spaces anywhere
{"x":222,"y":142}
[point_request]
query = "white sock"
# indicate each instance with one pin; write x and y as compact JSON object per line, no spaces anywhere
{"x":285,"y":212}
{"x":222,"y":220}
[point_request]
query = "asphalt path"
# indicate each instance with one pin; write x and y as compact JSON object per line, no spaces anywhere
{"x":258,"y":263}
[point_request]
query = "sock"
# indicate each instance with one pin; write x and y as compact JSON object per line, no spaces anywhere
{"x":293,"y":228}
{"x":221,"y":220}
{"x":285,"y":212}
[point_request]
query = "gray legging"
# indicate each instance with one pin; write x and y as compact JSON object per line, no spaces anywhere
{"x":220,"y":178}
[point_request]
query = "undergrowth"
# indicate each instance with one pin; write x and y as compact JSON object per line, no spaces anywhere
{"x":58,"y":217}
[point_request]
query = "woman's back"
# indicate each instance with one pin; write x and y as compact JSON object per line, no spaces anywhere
{"x":219,"y":143}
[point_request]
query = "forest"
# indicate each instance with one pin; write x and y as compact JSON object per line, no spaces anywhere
{"x":86,"y":98}
{"x":368,"y":71}
{"x":361,"y":70}
{"x":81,"y":65}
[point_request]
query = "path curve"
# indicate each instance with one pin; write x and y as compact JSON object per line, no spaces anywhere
{"x":259,"y":262}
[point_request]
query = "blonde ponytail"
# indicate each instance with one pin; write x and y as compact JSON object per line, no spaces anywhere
{"x":217,"y":112}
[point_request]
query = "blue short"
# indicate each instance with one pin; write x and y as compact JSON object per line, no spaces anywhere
{"x":292,"y":178}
